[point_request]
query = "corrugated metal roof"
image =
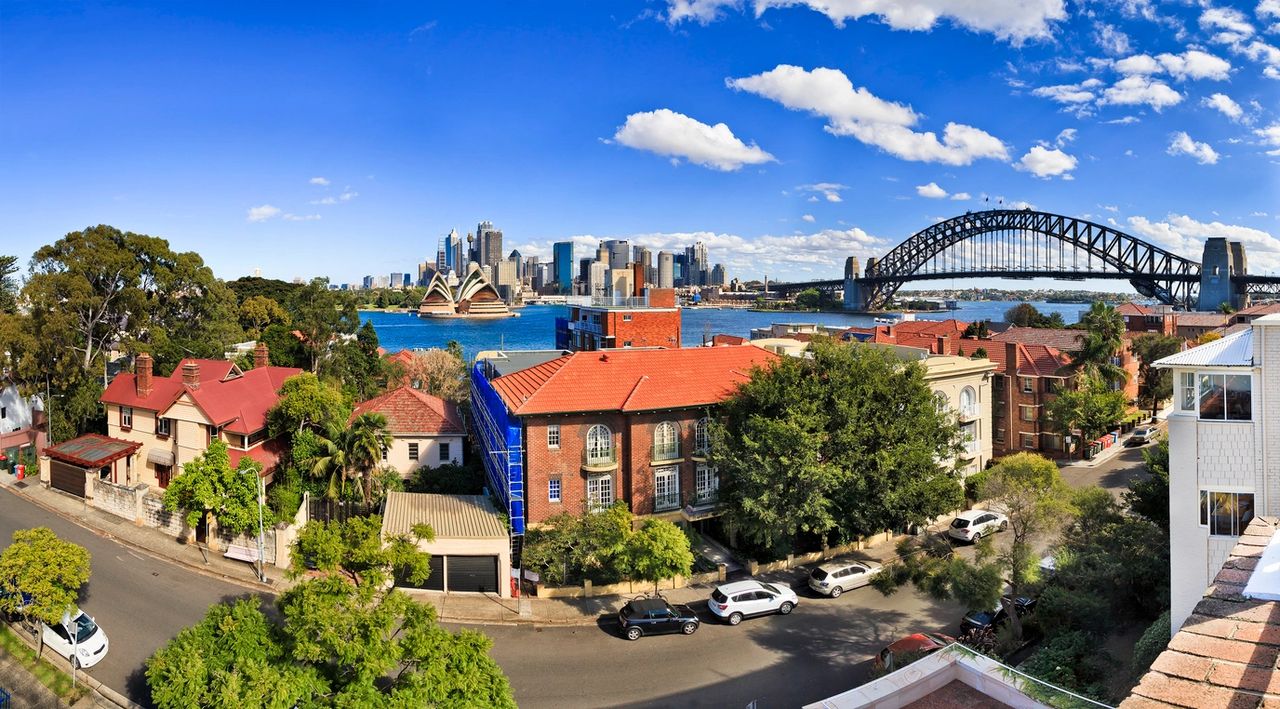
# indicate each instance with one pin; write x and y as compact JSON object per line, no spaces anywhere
{"x":450,"y":516}
{"x":1234,"y":350}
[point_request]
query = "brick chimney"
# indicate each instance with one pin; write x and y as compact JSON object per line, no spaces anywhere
{"x":142,"y":374}
{"x":260,"y":358}
{"x":191,"y":375}
{"x":1011,"y":359}
{"x":942,"y":345}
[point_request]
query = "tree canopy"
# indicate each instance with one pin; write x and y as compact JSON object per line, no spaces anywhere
{"x":1103,"y":338}
{"x":1027,"y":315}
{"x":208,"y":485}
{"x":49,"y":570}
{"x":438,"y":372}
{"x":1155,"y":385}
{"x":307,"y":402}
{"x":658,"y":550}
{"x":1091,"y":407}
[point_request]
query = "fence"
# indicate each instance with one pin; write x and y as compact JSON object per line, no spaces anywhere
{"x":625,"y":588}
{"x":323,"y":510}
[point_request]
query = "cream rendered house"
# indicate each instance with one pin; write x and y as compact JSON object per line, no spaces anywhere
{"x":1224,"y":452}
{"x":964,"y":386}
{"x":426,"y":430}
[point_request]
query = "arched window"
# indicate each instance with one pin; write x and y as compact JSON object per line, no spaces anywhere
{"x":702,"y":435}
{"x":943,"y":403}
{"x":599,"y":444}
{"x":666,"y":441}
{"x":968,"y":402}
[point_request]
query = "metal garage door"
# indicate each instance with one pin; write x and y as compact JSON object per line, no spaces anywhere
{"x":473,"y":573}
{"x":435,"y":582}
{"x":66,"y":477}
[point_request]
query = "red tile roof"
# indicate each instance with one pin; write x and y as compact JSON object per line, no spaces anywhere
{"x":92,"y":450}
{"x":1135,"y":309}
{"x":239,"y":401}
{"x":402,"y":356}
{"x":1063,"y":340}
{"x":1259,"y":310}
{"x":950,"y":326}
{"x":1226,"y":653}
{"x":410,"y":410}
{"x":1201,"y":319}
{"x":726,"y":340}
{"x":1033,"y":360}
{"x":631,"y":380}
{"x":268,"y":455}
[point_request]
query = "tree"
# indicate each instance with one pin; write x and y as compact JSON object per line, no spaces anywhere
{"x":307,"y":402}
{"x":283,"y":347}
{"x":1207,"y":337}
{"x":259,"y":311}
{"x":1226,"y":308}
{"x":1091,"y":407}
{"x":209,"y":486}
{"x":1103,"y":338}
{"x":844,"y":443}
{"x":659,"y":550}
{"x":439,"y":373}
{"x":321,"y":315}
{"x":357,"y":364}
{"x":8,"y":284}
{"x":567,"y":547}
{"x":1149,"y":498}
{"x":810,"y":298}
{"x":1155,"y":385}
{"x":1026,"y":315}
{"x":367,"y":437}
{"x":979,"y":329}
{"x":47,"y":570}
{"x":247,"y":287}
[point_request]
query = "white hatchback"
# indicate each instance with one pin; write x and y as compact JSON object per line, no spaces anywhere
{"x":91,"y":642}
{"x":975,"y":524}
{"x":742,"y":599}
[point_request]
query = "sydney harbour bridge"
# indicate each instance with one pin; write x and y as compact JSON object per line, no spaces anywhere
{"x":1025,"y":244}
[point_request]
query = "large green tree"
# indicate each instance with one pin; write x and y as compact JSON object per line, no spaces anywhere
{"x":1154,"y":385}
{"x":8,"y":284}
{"x":1149,"y":497}
{"x":847,"y":442}
{"x":259,"y":311}
{"x":307,"y":402}
{"x":322,"y":316}
{"x":49,"y":570}
{"x":357,"y":364}
{"x":209,"y":486}
{"x":658,"y":550}
{"x":1102,"y":341}
{"x":1026,"y":315}
{"x":1092,"y":408}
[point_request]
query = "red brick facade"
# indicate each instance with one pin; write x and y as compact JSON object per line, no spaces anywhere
{"x":604,"y":327}
{"x":1017,"y":415}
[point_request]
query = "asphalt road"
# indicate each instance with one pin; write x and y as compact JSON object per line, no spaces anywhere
{"x":140,"y":602}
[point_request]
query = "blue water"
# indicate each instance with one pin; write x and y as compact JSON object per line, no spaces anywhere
{"x":535,"y":328}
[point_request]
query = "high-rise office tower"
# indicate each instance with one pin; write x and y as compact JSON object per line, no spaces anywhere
{"x":619,"y":252}
{"x":395,"y":280}
{"x":451,"y":245}
{"x":666,"y":270}
{"x":366,"y":282}
{"x":598,"y":279}
{"x":680,"y":269}
{"x":562,"y":266}
{"x":489,"y":244}
{"x":472,"y":255}
{"x":643,"y":256}
{"x":406,"y":280}
{"x":515,"y":256}
{"x":717,"y":275}
{"x":602,"y":254}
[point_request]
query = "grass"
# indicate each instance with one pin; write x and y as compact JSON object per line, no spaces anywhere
{"x":58,"y":681}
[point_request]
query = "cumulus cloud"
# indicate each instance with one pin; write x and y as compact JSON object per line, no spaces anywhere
{"x":1110,"y":39}
{"x":1271,"y":137}
{"x":1185,"y":236}
{"x":676,"y":135}
{"x":323,"y":182}
{"x":931,"y":190}
{"x":325,"y":200}
{"x":830,"y":191}
{"x":857,"y":113}
{"x":301,"y":217}
{"x":1226,"y":19}
{"x":1015,"y":20}
{"x":347,"y":196}
{"x":262,"y":213}
{"x":1139,"y":90}
{"x":1047,"y":163}
{"x":1182,"y":144}
{"x":1138,"y":64}
{"x":808,"y":218}
{"x":961,"y":196}
{"x":1223,"y":104}
{"x":1082,"y":92}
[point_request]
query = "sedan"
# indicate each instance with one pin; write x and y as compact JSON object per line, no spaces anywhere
{"x":1143,"y":435}
{"x":834,"y":578}
{"x":976,"y":621}
{"x":90,"y":645}
{"x":742,"y":599}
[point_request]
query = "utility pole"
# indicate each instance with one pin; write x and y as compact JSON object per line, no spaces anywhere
{"x":262,"y":562}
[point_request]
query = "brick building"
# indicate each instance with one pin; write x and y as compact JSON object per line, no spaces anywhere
{"x":652,"y":320}
{"x":1026,"y":379}
{"x":574,"y":431}
{"x":1066,"y":341}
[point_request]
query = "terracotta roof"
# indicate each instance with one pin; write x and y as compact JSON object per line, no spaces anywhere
{"x":410,"y":410}
{"x":1033,"y":360}
{"x":1260,"y":309}
{"x":1134,"y":309}
{"x":950,"y":326}
{"x":268,"y":455}
{"x":726,"y":340}
{"x":92,"y":450}
{"x":403,"y":357}
{"x":1202,"y":319}
{"x":450,"y":516}
{"x":1062,"y":340}
{"x":239,"y":401}
{"x":1225,"y":654}
{"x":631,"y":380}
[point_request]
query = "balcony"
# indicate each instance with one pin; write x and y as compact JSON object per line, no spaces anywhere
{"x":703,"y":498}
{"x":588,"y":326}
{"x":970,"y":448}
{"x":600,"y":461}
{"x":969,"y":413}
{"x":609,"y":301}
{"x":669,"y":453}
{"x":699,"y":454}
{"x":666,"y":503}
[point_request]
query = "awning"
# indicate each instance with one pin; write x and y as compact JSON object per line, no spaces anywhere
{"x":160,"y":456}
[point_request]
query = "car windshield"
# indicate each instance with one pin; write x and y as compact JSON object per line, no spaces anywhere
{"x":719,"y":597}
{"x":820,"y":574}
{"x":87,"y":628}
{"x":979,"y":617}
{"x":769,"y":587}
{"x":959,"y":523}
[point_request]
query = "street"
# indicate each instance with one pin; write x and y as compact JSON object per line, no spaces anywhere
{"x":140,"y":602}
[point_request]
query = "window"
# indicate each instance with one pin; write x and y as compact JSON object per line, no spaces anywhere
{"x":384,"y":454}
{"x":553,"y":489}
{"x":627,"y":343}
{"x":626,"y":318}
{"x":1029,"y":441}
{"x":126,"y":417}
{"x":4,"y":412}
{"x":941,"y":402}
{"x":599,"y":444}
{"x":553,"y":435}
{"x":1187,"y":386}
{"x":999,"y":435}
{"x":1027,"y":413}
{"x":444,"y":452}
{"x":666,"y":489}
{"x":599,"y":492}
{"x":1028,"y":385}
{"x":666,"y":441}
{"x":1226,"y":513}
{"x":702,"y":435}
{"x":1052,"y":386}
{"x":256,"y":437}
{"x":1225,"y":397}
{"x":164,"y":474}
{"x":413,"y":451}
{"x":968,"y":402}
{"x":1052,"y":442}
{"x":164,"y":427}
{"x":706,"y":484}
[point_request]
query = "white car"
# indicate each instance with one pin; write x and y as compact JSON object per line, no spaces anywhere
{"x":742,"y":599}
{"x":834,"y":578}
{"x":91,"y":641}
{"x":975,"y":524}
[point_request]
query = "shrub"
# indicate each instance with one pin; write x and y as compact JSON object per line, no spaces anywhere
{"x":1153,"y":642}
{"x":973,"y":484}
{"x":1071,"y":661}
{"x":1061,"y":610}
{"x":447,"y":479}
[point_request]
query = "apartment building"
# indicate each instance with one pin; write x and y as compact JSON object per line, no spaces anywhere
{"x":1026,"y":378}
{"x":652,"y":320}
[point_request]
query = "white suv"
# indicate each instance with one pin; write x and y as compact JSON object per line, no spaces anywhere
{"x":740,"y":599}
{"x":975,"y":524}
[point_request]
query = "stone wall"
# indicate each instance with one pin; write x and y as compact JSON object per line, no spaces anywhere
{"x":120,"y":500}
{"x":155,"y":515}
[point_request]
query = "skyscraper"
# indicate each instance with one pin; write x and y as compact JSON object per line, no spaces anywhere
{"x":644,"y":257}
{"x":406,"y":280}
{"x":562,"y":266}
{"x":666,"y":270}
{"x":598,"y":279}
{"x":619,"y":252}
{"x":366,"y":282}
{"x":451,"y":245}
{"x":396,"y":280}
{"x":718,"y":277}
{"x":488,"y":244}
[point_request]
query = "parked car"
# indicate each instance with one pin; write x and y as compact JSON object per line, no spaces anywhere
{"x":918,"y":644}
{"x":91,"y":641}
{"x":975,"y":524}
{"x":991,"y":619}
{"x":1143,"y":435}
{"x":836,"y":577}
{"x":654,"y":616}
{"x":24,"y":599}
{"x":742,"y":599}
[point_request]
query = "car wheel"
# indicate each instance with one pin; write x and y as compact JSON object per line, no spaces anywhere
{"x":689,"y":628}
{"x":836,"y":591}
{"x":786,"y":607}
{"x":75,"y":662}
{"x":1004,"y":525}
{"x":634,"y":633}
{"x":735,"y":618}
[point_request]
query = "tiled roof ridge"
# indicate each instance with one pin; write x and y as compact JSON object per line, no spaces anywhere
{"x":634,"y":390}
{"x":564,"y":363}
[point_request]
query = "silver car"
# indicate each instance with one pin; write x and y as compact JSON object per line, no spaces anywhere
{"x":835,"y":577}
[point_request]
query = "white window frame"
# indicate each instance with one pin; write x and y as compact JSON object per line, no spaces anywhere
{"x":126,"y":417}
{"x":1024,"y":437}
{"x":968,"y":401}
{"x":599,"y":443}
{"x":1189,"y":394}
{"x":1202,"y":377}
{"x":166,"y":423}
{"x":1237,"y":525}
{"x":554,"y":488}
{"x":1027,"y":385}
{"x":702,"y":435}
{"x":1022,"y":413}
{"x":599,"y":492}
{"x":666,"y":488}
{"x":446,"y":452}
{"x":553,"y":436}
{"x":706,"y":483}
{"x":666,"y":441}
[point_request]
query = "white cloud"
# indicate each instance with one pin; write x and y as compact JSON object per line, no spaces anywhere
{"x":262,"y":213}
{"x":1066,"y":136}
{"x":1227,"y":107}
{"x":1046,"y":163}
{"x":961,"y":196}
{"x":830,"y":191}
{"x":325,"y":200}
{"x":1138,"y":64}
{"x":1195,"y":64}
{"x":1110,"y":208}
{"x":1125,"y":121}
{"x":301,"y":217}
{"x":808,"y":218}
{"x":858,"y":113}
{"x":676,"y":135}
{"x":931,"y":190}
{"x":1271,"y":137}
{"x":323,"y":182}
{"x":1141,"y":90}
{"x":1014,"y":20}
{"x":1111,"y":39}
{"x":1269,"y":10}
{"x":1225,"y":18}
{"x":1068,"y":93}
{"x":1182,"y":144}
{"x":348,"y":195}
{"x":1185,"y":236}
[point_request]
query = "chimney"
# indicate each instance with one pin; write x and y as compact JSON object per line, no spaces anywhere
{"x":1011,"y":358}
{"x":943,"y":342}
{"x":260,"y":358}
{"x":142,"y":374}
{"x":191,"y":375}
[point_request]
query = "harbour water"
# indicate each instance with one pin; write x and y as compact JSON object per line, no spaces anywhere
{"x":535,"y":328}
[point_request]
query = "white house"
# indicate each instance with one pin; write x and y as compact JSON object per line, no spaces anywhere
{"x":427,"y":431}
{"x":1224,"y":452}
{"x":21,"y":419}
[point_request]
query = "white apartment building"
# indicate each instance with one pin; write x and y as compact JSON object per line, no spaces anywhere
{"x":1224,"y":452}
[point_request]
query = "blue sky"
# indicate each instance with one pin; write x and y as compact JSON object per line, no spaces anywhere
{"x":317,"y":139}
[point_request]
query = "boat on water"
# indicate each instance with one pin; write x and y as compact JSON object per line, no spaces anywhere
{"x":894,"y":318}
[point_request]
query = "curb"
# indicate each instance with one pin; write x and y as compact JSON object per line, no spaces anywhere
{"x":145,"y":550}
{"x":88,"y":680}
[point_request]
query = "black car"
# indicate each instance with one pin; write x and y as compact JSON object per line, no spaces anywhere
{"x":975,"y":621}
{"x":654,"y":616}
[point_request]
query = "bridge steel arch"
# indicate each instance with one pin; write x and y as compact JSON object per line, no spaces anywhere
{"x":1153,"y":271}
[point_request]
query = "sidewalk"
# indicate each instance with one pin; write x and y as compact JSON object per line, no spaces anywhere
{"x":24,"y":689}
{"x":1117,"y":448}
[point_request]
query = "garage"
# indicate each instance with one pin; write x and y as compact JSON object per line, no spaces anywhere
{"x":73,"y":463}
{"x":66,"y":477}
{"x":471,"y":552}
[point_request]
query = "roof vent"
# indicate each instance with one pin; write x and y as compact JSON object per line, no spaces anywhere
{"x":604,"y":358}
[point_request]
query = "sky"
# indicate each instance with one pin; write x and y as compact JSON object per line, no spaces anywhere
{"x":339,"y":140}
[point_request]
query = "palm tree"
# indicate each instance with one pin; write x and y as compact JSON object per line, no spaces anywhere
{"x":366,"y":438}
{"x":333,"y":463}
{"x":1103,"y":338}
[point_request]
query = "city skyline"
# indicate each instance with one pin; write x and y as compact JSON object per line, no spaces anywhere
{"x":783,"y":137}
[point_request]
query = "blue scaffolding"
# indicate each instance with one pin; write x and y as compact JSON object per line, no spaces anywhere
{"x":501,"y":446}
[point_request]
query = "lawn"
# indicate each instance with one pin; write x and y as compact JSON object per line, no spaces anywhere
{"x":58,"y":681}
